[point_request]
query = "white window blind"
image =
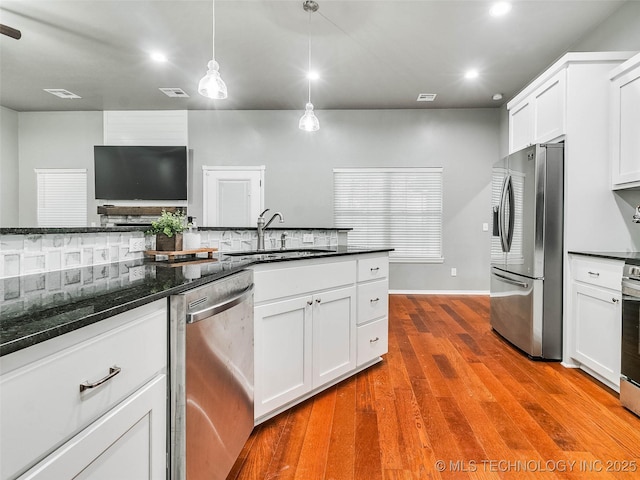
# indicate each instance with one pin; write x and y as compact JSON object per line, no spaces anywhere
{"x":399,"y":208}
{"x":62,"y":197}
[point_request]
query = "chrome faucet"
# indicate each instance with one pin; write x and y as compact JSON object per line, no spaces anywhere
{"x":262,"y":226}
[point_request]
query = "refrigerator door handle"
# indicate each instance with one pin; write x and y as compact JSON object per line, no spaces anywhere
{"x":512,"y":208}
{"x":511,"y":281}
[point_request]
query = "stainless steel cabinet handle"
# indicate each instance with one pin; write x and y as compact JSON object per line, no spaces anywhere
{"x":374,"y":340}
{"x":593,"y":274}
{"x":113,"y":371}
{"x":309,"y":302}
{"x":374,"y":300}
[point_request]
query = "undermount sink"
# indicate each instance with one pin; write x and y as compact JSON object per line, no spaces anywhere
{"x":277,"y":254}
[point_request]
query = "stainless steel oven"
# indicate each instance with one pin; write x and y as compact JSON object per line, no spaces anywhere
{"x":630,"y":357}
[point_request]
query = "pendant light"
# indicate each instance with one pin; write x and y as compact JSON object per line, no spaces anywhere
{"x":309,"y":122}
{"x":212,"y":85}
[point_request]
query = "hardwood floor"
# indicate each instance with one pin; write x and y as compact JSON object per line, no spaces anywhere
{"x":451,"y":400}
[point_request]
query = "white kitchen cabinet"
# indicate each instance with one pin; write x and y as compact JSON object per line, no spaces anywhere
{"x":317,"y":322}
{"x":52,"y":429}
{"x":373,"y":307}
{"x":540,"y":116}
{"x":595,"y":317}
{"x":304,"y":329}
{"x":625,"y":124}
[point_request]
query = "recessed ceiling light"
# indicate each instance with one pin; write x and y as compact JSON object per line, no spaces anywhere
{"x":471,"y":74}
{"x":158,"y":57}
{"x":313,"y":75}
{"x":497,"y":96}
{"x":62,"y":93}
{"x":499,"y":9}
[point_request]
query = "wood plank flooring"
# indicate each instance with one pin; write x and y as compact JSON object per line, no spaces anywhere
{"x":451,"y":400}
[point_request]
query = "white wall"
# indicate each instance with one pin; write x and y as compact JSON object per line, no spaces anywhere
{"x":619,"y":32}
{"x":299,"y":171}
{"x":8,"y":167}
{"x":56,"y":140}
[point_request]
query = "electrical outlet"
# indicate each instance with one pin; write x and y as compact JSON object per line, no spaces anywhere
{"x":136,"y":244}
{"x":454,"y":272}
{"x":485,"y":227}
{"x":136,"y":273}
{"x":307,"y":238}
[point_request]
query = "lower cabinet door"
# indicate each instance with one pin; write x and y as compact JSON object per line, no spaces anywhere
{"x":282,"y":342}
{"x":127,"y":443}
{"x":334,"y":334}
{"x":597,"y":321}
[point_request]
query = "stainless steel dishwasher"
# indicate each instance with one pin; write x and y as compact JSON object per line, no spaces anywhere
{"x":211,"y":377}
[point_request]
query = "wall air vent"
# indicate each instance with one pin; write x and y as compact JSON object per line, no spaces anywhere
{"x":174,"y":92}
{"x":61,"y":92}
{"x":426,"y":97}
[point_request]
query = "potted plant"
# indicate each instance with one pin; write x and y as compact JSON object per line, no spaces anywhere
{"x":168,"y":231}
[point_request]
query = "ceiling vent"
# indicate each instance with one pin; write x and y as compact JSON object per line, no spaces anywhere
{"x":426,"y":97}
{"x":174,"y":92}
{"x":61,"y":92}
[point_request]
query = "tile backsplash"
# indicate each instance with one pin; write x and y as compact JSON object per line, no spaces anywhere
{"x":24,"y":254}
{"x":27,"y":254}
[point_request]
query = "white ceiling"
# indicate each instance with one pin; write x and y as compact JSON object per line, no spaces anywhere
{"x":370,"y":54}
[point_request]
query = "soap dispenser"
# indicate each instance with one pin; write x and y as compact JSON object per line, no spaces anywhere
{"x":191,"y":238}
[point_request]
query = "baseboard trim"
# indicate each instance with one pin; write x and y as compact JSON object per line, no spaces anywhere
{"x":439,"y":292}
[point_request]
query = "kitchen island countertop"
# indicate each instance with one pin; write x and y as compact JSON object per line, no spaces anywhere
{"x":41,"y":306}
{"x":628,"y":257}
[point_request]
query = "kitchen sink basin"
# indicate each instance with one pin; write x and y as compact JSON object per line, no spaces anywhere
{"x":278,"y":254}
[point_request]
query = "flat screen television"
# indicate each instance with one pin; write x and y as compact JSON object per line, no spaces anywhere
{"x":140,"y":172}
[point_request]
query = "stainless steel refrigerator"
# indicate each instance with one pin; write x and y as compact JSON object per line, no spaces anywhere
{"x":526,"y":250}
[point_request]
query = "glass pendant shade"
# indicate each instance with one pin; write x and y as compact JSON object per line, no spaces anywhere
{"x":309,"y":122}
{"x":212,"y":85}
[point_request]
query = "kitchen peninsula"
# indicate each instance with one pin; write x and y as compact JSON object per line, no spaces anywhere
{"x":73,"y":325}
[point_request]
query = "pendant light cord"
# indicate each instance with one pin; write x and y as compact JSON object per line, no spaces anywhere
{"x":213,"y":30}
{"x":309,"y":71}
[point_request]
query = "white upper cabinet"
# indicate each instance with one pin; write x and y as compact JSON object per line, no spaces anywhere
{"x":539,"y":113}
{"x":625,"y":124}
{"x":539,"y":116}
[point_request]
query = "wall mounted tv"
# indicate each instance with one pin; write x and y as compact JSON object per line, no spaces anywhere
{"x":140,"y":172}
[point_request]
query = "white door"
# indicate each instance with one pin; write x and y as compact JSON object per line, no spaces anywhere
{"x":232,"y":196}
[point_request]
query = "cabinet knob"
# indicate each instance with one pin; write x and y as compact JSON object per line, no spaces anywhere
{"x":615,"y":300}
{"x":309,"y":302}
{"x":318,"y":300}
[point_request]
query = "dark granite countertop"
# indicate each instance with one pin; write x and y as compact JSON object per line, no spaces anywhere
{"x":628,"y":257}
{"x":41,"y":306}
{"x":137,"y":228}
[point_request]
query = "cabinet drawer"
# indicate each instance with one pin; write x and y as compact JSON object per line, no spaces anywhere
{"x":373,"y":300}
{"x":42,"y":404}
{"x":373,"y":268}
{"x":373,"y":340}
{"x":601,"y":271}
{"x":297,"y":278}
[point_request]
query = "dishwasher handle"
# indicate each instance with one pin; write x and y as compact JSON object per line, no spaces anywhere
{"x":210,"y":311}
